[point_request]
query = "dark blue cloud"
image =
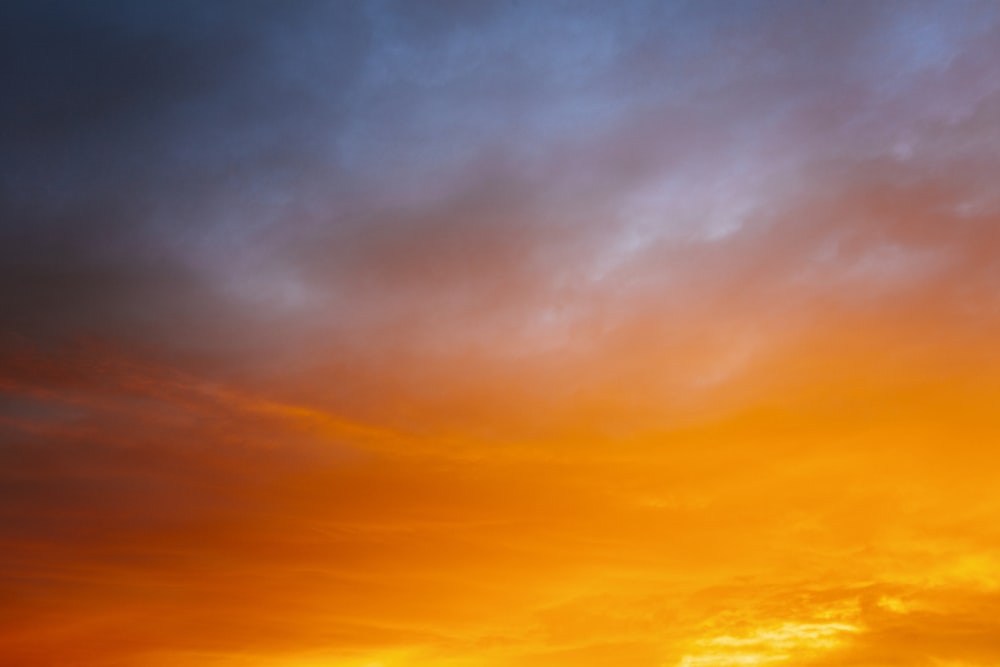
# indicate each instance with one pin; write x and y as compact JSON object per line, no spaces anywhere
{"x":214,"y":174}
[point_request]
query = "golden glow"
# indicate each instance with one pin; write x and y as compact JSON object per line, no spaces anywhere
{"x":767,"y":645}
{"x":782,"y":530}
{"x":500,"y":334}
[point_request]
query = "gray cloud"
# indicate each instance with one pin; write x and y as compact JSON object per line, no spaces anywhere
{"x":378,"y":182}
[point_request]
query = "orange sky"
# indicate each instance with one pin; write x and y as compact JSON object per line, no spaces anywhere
{"x":375,"y":335}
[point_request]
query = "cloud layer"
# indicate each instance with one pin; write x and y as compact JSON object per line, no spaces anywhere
{"x":391,"y":333}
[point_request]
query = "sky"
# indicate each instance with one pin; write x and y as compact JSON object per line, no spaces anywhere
{"x":462,"y":333}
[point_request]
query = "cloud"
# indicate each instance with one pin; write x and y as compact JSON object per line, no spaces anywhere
{"x":396,"y":333}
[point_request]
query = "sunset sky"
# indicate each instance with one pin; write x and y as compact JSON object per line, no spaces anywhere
{"x":452,"y":333}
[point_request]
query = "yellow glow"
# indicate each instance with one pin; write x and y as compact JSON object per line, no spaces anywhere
{"x":767,"y":645}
